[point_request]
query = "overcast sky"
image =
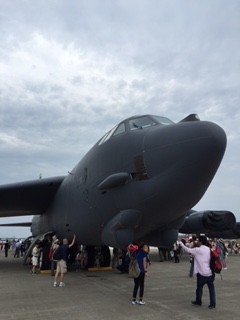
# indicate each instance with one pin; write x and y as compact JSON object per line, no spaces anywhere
{"x":71,"y":70}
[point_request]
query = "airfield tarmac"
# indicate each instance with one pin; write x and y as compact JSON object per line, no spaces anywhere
{"x":107,"y":294}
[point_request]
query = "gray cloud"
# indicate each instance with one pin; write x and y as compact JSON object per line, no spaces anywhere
{"x":69,"y":71}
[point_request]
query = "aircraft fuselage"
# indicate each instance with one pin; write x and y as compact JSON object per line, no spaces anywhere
{"x":137,"y":185}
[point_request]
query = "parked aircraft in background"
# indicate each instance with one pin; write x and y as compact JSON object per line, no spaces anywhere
{"x":135,"y":185}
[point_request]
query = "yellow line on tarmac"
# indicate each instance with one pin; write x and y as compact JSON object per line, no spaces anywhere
{"x":99,"y":269}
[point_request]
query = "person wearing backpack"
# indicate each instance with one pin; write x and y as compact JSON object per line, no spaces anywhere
{"x":142,"y":259}
{"x":202,"y":256}
{"x":62,"y":263}
{"x":54,"y":246}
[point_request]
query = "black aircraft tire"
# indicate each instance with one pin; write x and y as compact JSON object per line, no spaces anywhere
{"x":89,"y":257}
{"x":105,"y":257}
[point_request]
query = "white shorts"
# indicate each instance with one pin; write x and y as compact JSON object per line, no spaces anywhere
{"x":34,"y":261}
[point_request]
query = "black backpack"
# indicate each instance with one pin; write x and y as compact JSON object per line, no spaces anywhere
{"x":58,"y":253}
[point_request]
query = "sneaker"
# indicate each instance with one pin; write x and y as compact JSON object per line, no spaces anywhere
{"x":211,"y":306}
{"x":142,"y":302}
{"x":62,"y":284}
{"x":195,"y":303}
{"x":134,"y":302}
{"x":55,"y":284}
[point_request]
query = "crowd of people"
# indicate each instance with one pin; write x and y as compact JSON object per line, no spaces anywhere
{"x":174,"y":253}
{"x":198,"y":248}
{"x":17,"y":246}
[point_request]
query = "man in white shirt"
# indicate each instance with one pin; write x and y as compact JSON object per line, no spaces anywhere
{"x":202,"y":256}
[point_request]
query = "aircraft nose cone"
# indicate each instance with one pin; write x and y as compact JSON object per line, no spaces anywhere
{"x":207,"y":146}
{"x":189,"y":153}
{"x":185,"y":143}
{"x":215,"y":137}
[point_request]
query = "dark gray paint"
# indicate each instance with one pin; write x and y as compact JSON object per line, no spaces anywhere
{"x":137,"y":186}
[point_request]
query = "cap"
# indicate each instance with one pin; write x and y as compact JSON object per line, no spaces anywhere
{"x":132,"y":247}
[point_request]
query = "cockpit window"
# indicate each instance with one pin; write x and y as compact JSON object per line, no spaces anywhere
{"x":107,"y":136}
{"x":114,"y":132}
{"x":141,"y":122}
{"x":163,"y":120}
{"x":134,"y":124}
{"x":148,"y":121}
{"x":120,"y":129}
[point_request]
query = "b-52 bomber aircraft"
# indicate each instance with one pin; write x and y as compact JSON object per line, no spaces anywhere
{"x":136,"y":184}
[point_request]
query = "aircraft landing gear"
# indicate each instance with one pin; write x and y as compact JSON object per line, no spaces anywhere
{"x":97,"y":256}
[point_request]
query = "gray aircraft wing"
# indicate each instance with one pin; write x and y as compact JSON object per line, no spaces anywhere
{"x":16,"y":224}
{"x":28,"y":198}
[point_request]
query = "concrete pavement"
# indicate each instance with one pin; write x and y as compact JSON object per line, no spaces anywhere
{"x":107,"y":294}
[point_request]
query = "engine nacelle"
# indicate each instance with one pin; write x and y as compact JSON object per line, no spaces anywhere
{"x":205,"y":221}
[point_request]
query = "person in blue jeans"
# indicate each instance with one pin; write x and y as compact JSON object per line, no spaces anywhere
{"x":142,"y":257}
{"x":202,"y":256}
